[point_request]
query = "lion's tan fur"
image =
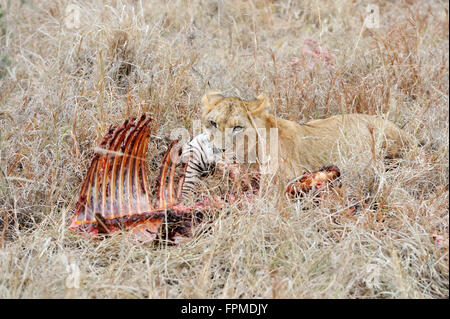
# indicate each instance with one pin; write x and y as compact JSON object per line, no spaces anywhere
{"x":308,"y":146}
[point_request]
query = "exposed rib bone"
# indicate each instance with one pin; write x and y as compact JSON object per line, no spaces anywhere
{"x":167,"y":196}
{"x":116,"y":184}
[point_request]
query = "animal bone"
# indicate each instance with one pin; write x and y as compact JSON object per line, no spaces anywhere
{"x":313,"y":181}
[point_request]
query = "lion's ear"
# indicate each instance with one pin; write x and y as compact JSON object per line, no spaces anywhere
{"x":211,"y":98}
{"x":260,"y":105}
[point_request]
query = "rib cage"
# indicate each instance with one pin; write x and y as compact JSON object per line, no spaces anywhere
{"x":115,"y":192}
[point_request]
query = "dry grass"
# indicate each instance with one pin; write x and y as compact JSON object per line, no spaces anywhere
{"x":60,"y":88}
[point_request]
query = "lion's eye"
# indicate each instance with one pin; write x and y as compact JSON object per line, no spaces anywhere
{"x":213,"y":124}
{"x":237,"y":129}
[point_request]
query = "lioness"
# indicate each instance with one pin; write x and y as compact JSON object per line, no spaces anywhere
{"x":301,"y":147}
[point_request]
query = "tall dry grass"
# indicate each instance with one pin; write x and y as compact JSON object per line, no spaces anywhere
{"x":61,"y":87}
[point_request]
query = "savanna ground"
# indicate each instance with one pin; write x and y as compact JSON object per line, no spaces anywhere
{"x":63,"y":84}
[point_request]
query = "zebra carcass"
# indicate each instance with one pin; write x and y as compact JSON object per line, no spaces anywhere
{"x":115,"y":193}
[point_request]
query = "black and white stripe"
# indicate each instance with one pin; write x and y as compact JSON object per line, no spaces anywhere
{"x":199,"y":155}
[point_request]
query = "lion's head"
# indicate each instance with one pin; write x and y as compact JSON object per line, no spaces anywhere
{"x":231,"y":122}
